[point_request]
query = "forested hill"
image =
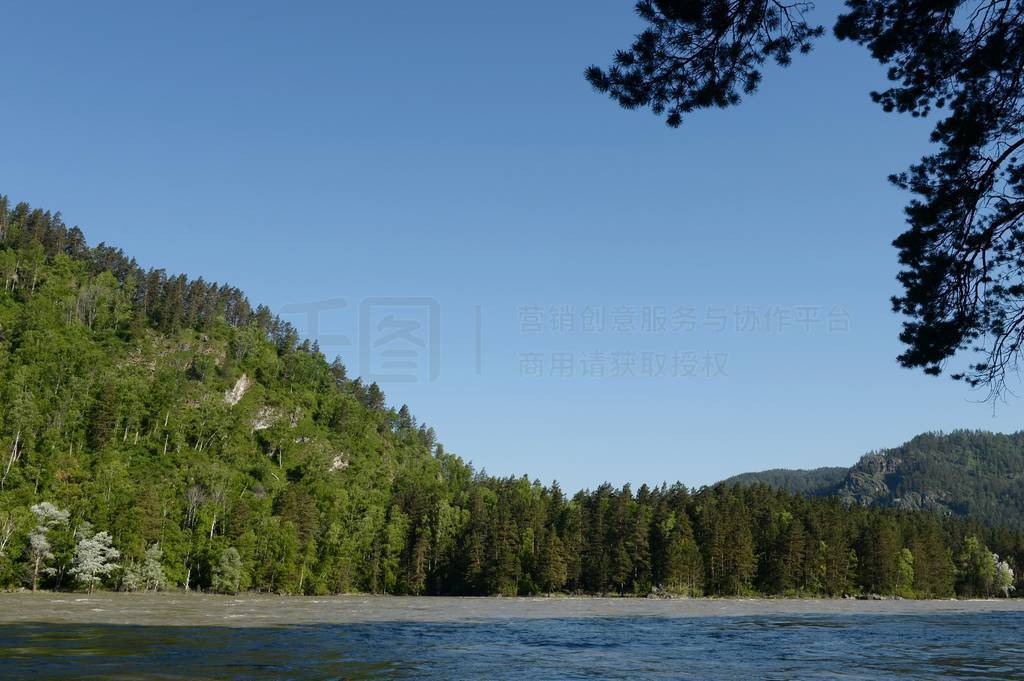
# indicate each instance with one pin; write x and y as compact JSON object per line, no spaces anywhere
{"x":814,"y":481}
{"x":158,"y":431}
{"x":966,"y":473}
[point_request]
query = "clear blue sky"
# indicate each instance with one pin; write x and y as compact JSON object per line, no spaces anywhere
{"x":315,"y":151}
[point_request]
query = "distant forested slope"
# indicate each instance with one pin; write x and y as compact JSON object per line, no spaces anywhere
{"x":965,"y":473}
{"x":158,"y":431}
{"x":815,"y":481}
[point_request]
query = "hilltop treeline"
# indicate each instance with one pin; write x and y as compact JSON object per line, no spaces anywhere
{"x":160,"y":432}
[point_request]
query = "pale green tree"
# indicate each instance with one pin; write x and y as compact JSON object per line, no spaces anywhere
{"x":95,"y":558}
{"x":905,"y":573}
{"x":147,"y":576}
{"x":1004,"y":576}
{"x":227,"y":573}
{"x":977,"y":569}
{"x":153,"y":577}
{"x":48,"y":517}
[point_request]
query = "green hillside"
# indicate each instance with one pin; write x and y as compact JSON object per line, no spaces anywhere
{"x":815,"y":481}
{"x":964,"y":473}
{"x":158,"y":431}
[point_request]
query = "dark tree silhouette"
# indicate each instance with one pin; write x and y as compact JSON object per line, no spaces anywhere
{"x":698,"y":55}
{"x":962,"y":254}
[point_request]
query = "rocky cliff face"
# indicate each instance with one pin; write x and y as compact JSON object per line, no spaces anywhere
{"x":872,"y":479}
{"x":235,"y":393}
{"x":878,"y":479}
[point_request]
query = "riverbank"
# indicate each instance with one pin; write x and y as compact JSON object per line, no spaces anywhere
{"x":558,"y":595}
{"x":199,"y":609}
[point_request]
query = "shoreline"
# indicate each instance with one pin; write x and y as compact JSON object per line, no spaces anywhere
{"x":500,"y":597}
{"x":191,"y":609}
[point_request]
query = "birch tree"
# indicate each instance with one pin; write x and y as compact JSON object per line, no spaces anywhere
{"x":10,"y":522}
{"x":1004,"y":576}
{"x":48,"y":517}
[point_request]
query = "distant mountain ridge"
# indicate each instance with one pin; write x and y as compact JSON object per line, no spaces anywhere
{"x":975,"y":474}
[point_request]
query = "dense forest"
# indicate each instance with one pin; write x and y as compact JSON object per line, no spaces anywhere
{"x":970,"y":474}
{"x":813,"y":482}
{"x":159,"y":432}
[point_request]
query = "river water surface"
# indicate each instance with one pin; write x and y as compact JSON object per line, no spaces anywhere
{"x":192,"y":636}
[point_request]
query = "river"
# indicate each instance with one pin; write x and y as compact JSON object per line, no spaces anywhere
{"x":196,"y":636}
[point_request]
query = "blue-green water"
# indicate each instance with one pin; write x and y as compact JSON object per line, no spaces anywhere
{"x":182,"y":637}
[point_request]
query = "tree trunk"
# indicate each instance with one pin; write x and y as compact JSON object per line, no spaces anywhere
{"x":11,"y":459}
{"x":8,"y":531}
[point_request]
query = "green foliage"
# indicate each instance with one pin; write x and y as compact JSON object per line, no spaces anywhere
{"x":147,"y":576}
{"x":965,"y":473}
{"x":905,"y":573}
{"x":934,"y":572}
{"x":982,"y":573}
{"x":977,"y":569}
{"x":212,"y":450}
{"x":227,"y":573}
{"x":817,"y":481}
